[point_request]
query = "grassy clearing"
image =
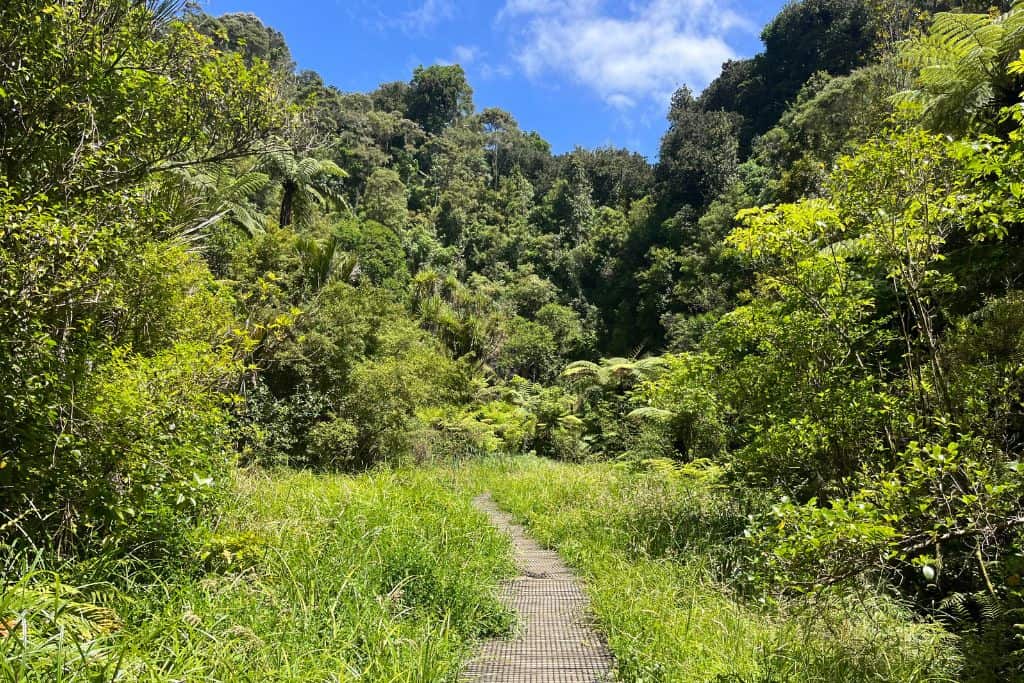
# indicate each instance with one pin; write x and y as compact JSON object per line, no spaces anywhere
{"x":391,"y":576}
{"x":656,"y":551}
{"x":382,"y":577}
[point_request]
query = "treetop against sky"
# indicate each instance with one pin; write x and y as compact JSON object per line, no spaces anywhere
{"x":579,"y":72}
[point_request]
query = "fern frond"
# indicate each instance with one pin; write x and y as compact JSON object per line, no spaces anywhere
{"x":650,"y":413}
{"x":963,"y":65}
{"x":581,"y":369}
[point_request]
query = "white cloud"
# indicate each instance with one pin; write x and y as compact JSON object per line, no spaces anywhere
{"x":620,"y":101}
{"x":633,"y":52}
{"x":426,"y":15}
{"x":465,"y":54}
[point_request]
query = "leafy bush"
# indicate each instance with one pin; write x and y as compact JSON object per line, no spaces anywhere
{"x":382,"y":259}
{"x":332,"y":444}
{"x":952,"y":507}
{"x":116,"y":429}
{"x":409,"y":373}
{"x":167,"y":295}
{"x":530,"y":351}
{"x":944,"y":524}
{"x":149,"y":452}
{"x":491,"y":428}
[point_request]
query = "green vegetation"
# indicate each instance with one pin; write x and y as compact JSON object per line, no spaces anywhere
{"x":790,"y":353}
{"x":657,"y":549}
{"x":379,"y":577}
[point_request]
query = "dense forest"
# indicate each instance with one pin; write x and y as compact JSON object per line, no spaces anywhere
{"x":216,"y":269}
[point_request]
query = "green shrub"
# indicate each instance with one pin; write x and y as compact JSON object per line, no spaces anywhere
{"x":530,"y":351}
{"x":332,"y":444}
{"x":168,"y":295}
{"x":382,"y":259}
{"x":462,"y":432}
{"x":114,"y":377}
{"x":684,"y":402}
{"x":150,"y":451}
{"x":408,"y":373}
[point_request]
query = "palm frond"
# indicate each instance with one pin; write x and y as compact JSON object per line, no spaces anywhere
{"x":324,"y":262}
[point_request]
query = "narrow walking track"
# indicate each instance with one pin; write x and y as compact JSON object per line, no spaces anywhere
{"x":555,"y":643}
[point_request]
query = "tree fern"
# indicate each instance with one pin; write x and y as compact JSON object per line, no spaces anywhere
{"x":580,"y":370}
{"x":651,"y":413}
{"x":304,"y":186}
{"x":612,"y":371}
{"x":196,"y":199}
{"x":962,"y":67}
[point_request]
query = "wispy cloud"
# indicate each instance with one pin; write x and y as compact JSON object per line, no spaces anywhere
{"x":630,"y":53}
{"x":620,"y":101}
{"x":426,"y":15}
{"x":463,"y":55}
{"x":490,"y":72}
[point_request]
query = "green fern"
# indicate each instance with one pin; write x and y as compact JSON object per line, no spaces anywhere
{"x":978,"y":606}
{"x":304,"y":186}
{"x":196,"y":199}
{"x":963,"y":67}
{"x":612,"y":371}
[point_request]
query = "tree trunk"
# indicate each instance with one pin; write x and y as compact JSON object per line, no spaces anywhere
{"x":287,"y":203}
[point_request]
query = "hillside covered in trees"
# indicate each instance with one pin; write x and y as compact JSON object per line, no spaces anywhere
{"x":249,"y":321}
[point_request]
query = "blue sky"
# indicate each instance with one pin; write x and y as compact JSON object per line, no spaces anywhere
{"x":579,"y":72}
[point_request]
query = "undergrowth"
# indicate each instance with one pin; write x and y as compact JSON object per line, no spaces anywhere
{"x":391,"y":576}
{"x":662,"y":557}
{"x":381,"y":577}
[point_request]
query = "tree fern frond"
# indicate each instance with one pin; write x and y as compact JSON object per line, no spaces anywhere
{"x":651,"y":413}
{"x":581,"y":368}
{"x":650,"y":366}
{"x":963,"y":66}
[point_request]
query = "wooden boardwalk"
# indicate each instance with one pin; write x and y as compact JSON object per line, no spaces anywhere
{"x":555,"y":642}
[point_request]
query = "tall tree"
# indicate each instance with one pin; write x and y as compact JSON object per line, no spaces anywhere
{"x":385,"y":199}
{"x":834,"y":36}
{"x":699,"y":154}
{"x":438,"y":96}
{"x":99,"y":95}
{"x":245,"y":34}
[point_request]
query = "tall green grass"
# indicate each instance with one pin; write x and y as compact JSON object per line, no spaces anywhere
{"x":382,"y":577}
{"x":660,"y":555}
{"x":392,"y":576}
